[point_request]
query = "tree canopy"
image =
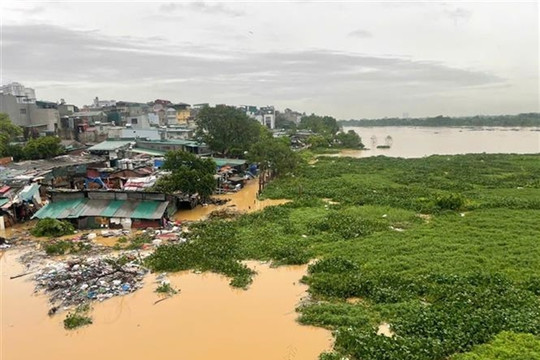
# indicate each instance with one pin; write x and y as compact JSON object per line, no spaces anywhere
{"x":349,"y":140}
{"x":189,"y":174}
{"x":324,"y":125}
{"x":227,"y":130}
{"x":275,"y":154}
{"x":8,"y":132}
{"x":525,"y":119}
{"x":44,"y":147}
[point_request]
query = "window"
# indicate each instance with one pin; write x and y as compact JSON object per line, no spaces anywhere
{"x":23,"y":111}
{"x":134,"y":121}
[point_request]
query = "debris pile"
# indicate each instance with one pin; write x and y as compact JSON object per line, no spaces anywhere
{"x":79,"y":280}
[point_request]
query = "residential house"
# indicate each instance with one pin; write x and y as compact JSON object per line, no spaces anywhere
{"x":90,"y":209}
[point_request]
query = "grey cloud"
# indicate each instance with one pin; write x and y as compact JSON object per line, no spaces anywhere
{"x":201,"y":6}
{"x":458,"y":14}
{"x":28,"y":11}
{"x":362,"y":34}
{"x":143,"y":67}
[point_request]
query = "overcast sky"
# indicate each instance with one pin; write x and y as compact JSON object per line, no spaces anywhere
{"x":345,"y":59}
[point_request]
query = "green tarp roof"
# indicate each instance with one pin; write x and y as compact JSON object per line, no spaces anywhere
{"x":109,"y":145}
{"x":230,"y":162}
{"x":70,"y":209}
{"x":148,"y":151}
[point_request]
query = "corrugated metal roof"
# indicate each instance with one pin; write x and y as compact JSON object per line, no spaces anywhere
{"x":109,"y":145}
{"x":29,"y":192}
{"x":69,"y":209}
{"x":61,"y":209}
{"x":3,"y":201}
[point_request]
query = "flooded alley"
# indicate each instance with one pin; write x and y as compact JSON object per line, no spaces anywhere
{"x":243,"y":201}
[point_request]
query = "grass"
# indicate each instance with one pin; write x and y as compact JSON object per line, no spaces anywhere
{"x":445,"y":249}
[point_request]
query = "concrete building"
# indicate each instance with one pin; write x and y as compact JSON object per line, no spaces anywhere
{"x":170,"y":114}
{"x":41,"y":115}
{"x":138,"y":122}
{"x":98,"y":104}
{"x":23,"y":94}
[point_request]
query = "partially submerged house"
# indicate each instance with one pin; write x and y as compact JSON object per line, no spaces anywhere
{"x":92,"y":209}
{"x":18,"y":204}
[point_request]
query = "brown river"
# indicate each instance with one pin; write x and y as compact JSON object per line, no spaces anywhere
{"x":412,"y":142}
{"x":207,"y":319}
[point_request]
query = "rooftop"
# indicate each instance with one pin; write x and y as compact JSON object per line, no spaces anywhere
{"x":110,"y":145}
{"x":230,"y":162}
{"x":75,"y":208}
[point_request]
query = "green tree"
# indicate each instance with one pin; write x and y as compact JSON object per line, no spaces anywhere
{"x":189,"y":174}
{"x":350,"y":140}
{"x":227,"y":130}
{"x":318,"y":141}
{"x":324,"y":125}
{"x":44,"y":147}
{"x":8,"y":132}
{"x":275,"y":154}
{"x":15,"y":151}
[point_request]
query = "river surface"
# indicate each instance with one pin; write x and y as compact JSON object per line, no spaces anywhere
{"x":412,"y":142}
{"x":206,"y":320}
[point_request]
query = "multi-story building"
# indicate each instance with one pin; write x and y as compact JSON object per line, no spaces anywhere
{"x":23,"y":94}
{"x":41,"y":116}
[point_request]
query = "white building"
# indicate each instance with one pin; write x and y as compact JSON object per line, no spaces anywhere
{"x":23,"y":94}
{"x":138,"y":122}
{"x":98,"y":104}
{"x":171,"y":116}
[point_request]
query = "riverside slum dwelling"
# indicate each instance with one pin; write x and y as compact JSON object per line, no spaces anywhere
{"x":23,"y":184}
{"x":115,"y":209}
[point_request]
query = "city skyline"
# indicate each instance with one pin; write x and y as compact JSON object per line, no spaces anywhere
{"x":348,"y":60}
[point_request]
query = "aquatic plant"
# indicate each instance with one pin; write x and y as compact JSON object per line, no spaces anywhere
{"x":78,"y":318}
{"x":166,"y":288}
{"x":61,"y":247}
{"x":391,"y":239}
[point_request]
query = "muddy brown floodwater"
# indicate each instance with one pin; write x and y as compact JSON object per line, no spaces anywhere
{"x":207,"y":320}
{"x":243,"y":201}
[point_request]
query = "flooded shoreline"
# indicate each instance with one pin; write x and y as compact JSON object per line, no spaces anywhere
{"x":208,"y":319}
{"x":243,"y":201}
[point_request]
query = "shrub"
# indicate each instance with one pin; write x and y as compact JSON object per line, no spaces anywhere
{"x":450,"y":202}
{"x":52,"y":227}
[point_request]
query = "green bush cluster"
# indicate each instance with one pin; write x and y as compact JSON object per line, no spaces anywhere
{"x":61,"y":247}
{"x":52,"y":227}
